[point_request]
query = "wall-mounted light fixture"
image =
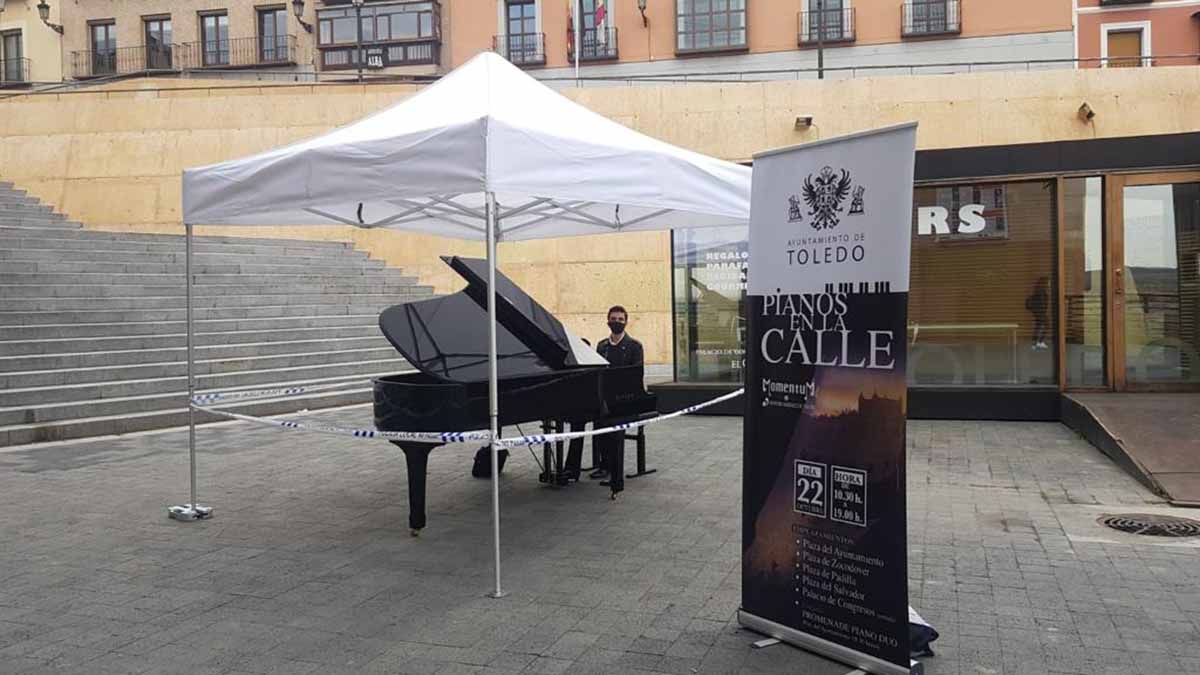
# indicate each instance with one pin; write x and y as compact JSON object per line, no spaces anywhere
{"x":298,"y":10}
{"x":641,"y":5}
{"x":1086,"y":114}
{"x":803,"y":122}
{"x":44,"y":12}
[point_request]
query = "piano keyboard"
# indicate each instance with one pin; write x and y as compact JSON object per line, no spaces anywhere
{"x":860,"y":287}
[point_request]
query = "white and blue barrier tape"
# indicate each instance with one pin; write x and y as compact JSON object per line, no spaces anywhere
{"x":456,"y":436}
{"x":535,"y":439}
{"x":210,"y":398}
{"x":417,"y":436}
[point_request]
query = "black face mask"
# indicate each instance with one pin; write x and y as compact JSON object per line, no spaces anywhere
{"x":616,"y":327}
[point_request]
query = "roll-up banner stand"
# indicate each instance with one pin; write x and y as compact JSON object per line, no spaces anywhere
{"x":824,"y":541}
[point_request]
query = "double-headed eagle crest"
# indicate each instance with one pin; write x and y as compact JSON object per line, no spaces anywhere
{"x":825,"y":195}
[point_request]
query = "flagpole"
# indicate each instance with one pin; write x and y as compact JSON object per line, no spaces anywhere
{"x":575,"y":21}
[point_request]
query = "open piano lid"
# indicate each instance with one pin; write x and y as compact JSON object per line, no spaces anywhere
{"x":446,"y":337}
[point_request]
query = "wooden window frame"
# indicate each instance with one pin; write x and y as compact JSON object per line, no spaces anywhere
{"x":1127,"y":27}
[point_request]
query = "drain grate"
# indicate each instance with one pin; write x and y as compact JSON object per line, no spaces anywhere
{"x":1152,"y":525}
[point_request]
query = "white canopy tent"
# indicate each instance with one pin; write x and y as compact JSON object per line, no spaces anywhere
{"x":487,"y":152}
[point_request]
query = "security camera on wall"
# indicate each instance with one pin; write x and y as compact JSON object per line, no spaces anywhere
{"x":1086,"y":114}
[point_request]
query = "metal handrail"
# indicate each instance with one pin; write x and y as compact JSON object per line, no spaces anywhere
{"x":948,"y":67}
{"x":522,"y":49}
{"x":930,"y":17}
{"x":14,"y":71}
{"x":680,"y":78}
{"x":595,"y":44}
{"x":124,"y":60}
{"x":239,"y":52}
{"x":835,"y":24}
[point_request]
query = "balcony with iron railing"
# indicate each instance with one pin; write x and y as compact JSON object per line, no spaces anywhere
{"x":921,"y":18}
{"x":826,"y":26}
{"x":522,"y":49}
{"x":249,"y":52}
{"x":124,"y":60}
{"x":14,"y":72}
{"x":595,"y":44}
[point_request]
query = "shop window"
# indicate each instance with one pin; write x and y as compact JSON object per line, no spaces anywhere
{"x":709,"y":269}
{"x":982,"y":308}
{"x":982,"y":300}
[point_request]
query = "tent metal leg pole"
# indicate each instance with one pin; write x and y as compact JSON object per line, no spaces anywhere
{"x":192,"y":510}
{"x":493,"y":390}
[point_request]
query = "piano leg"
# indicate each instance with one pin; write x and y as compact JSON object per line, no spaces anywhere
{"x":417,"y":457}
{"x":545,"y":476}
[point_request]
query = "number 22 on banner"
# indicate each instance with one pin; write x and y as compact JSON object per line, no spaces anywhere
{"x":810,"y":488}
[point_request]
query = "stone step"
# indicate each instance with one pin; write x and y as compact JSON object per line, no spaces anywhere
{"x":125,"y":405}
{"x":224,"y":258}
{"x":118,"y":341}
{"x":350,"y":268}
{"x":377,"y":300}
{"x":23,"y":208}
{"x":48,"y":222}
{"x":173,"y":417}
{"x":83,"y":332}
{"x":162,"y":355}
{"x":64,"y":377}
{"x":82,"y":385}
{"x":260,"y":286}
{"x":8,"y":199}
{"x":152,"y":238}
{"x":92,"y":315}
{"x":102,"y":246}
{"x":388,"y":277}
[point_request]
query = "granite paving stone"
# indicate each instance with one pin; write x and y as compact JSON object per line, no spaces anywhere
{"x":308,"y":566}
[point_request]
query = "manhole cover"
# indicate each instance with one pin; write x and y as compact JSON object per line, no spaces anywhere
{"x":1152,"y":525}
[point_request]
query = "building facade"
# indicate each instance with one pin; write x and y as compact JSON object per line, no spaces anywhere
{"x":1125,"y":33}
{"x":30,"y":48}
{"x":1051,"y":250}
{"x":617,"y":38}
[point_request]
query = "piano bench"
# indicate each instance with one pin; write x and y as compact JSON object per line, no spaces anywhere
{"x":639,"y":435}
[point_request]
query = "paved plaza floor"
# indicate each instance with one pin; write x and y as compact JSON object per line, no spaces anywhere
{"x":308,"y":566}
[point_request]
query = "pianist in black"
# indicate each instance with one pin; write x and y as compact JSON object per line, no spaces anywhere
{"x":620,"y":349}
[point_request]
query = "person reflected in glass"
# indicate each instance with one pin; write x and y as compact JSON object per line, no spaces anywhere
{"x":1038,"y":304}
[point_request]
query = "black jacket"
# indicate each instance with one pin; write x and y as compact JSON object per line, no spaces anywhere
{"x":627,"y":352}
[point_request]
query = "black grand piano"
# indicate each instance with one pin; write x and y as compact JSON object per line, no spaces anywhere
{"x":545,"y":373}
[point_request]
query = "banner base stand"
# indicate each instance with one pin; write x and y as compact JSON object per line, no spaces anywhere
{"x":189,"y":512}
{"x":763,"y":644}
{"x":831,"y":650}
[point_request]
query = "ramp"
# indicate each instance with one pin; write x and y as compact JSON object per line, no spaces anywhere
{"x":1155,"y":437}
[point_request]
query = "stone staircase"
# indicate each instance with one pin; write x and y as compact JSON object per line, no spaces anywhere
{"x":93,"y":324}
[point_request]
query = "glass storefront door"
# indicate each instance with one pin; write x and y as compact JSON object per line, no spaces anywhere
{"x":1156,"y":282}
{"x":1083,"y":283}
